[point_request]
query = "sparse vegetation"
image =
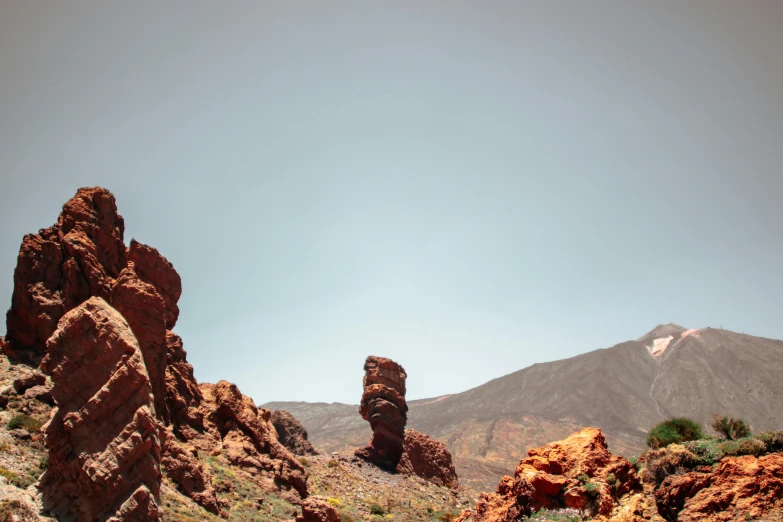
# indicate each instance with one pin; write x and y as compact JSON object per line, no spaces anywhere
{"x":673,"y":431}
{"x":555,"y":515}
{"x":333,"y":463}
{"x":730,"y":428}
{"x":304,"y":461}
{"x":375,"y":509}
{"x":773,"y":440}
{"x":25,"y":422}
{"x":592,"y":489}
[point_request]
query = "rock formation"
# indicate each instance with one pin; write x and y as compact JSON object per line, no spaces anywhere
{"x":316,"y":509}
{"x":741,"y":488}
{"x":82,"y":257}
{"x":383,"y":405}
{"x":60,"y":267}
{"x":291,"y":433}
{"x":103,"y":437}
{"x":428,"y":459}
{"x":577,"y":472}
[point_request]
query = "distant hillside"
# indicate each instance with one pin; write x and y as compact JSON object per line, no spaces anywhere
{"x":624,"y":390}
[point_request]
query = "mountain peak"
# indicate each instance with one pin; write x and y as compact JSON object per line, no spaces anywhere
{"x":658,"y":339}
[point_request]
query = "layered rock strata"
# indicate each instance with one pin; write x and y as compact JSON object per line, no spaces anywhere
{"x":103,"y":437}
{"x":291,"y":433}
{"x":383,"y":406}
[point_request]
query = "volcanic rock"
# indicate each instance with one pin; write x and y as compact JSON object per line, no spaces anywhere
{"x":428,"y":459}
{"x":291,"y":433}
{"x":316,"y":509}
{"x":22,"y":384}
{"x":383,"y":405}
{"x":103,"y":437}
{"x":250,"y":439}
{"x":183,"y":467}
{"x":60,"y":267}
{"x":740,"y":488}
{"x":571,"y":473}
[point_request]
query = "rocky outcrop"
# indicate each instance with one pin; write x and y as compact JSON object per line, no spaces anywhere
{"x":62,"y":266}
{"x":83,"y":257}
{"x":291,"y":433}
{"x":316,"y":509}
{"x":577,"y":472}
{"x":428,"y":459}
{"x":740,"y":488}
{"x":103,"y":437}
{"x":250,"y":440}
{"x":383,"y":406}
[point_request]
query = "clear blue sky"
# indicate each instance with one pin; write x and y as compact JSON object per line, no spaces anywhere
{"x":467,"y":188}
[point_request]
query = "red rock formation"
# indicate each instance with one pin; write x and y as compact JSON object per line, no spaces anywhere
{"x":383,"y":405}
{"x":291,"y":433}
{"x":249,"y":438}
{"x":60,"y":267}
{"x":103,"y":437}
{"x":83,"y":256}
{"x":428,"y":459}
{"x":571,"y":473}
{"x":316,"y":509}
{"x":741,"y":488}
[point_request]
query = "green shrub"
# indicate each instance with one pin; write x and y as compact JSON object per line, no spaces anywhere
{"x":375,"y":509}
{"x":592,"y":489}
{"x":583,"y":478}
{"x":673,"y":431}
{"x":25,"y":422}
{"x":555,"y":515}
{"x":773,"y":440}
{"x":333,"y":463}
{"x":746,"y":446}
{"x":707,"y":451}
{"x":730,"y":428}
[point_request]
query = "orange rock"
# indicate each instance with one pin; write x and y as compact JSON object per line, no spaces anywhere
{"x":428,"y":459}
{"x":551,"y":477}
{"x":317,"y":509}
{"x":741,"y":488}
{"x":103,"y":438}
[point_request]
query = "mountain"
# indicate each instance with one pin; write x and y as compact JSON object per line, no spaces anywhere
{"x":624,"y":390}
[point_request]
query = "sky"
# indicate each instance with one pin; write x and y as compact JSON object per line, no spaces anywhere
{"x":466,"y":187}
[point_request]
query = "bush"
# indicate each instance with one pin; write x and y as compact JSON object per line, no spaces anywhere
{"x":707,"y":451}
{"x":375,"y":509}
{"x":332,"y":463}
{"x":555,"y":515}
{"x":674,"y":431}
{"x":592,"y":489}
{"x":668,"y":461}
{"x":730,"y":428}
{"x":583,"y":478}
{"x":773,"y":440}
{"x":25,"y":422}
{"x":746,"y":446}
{"x":304,"y":461}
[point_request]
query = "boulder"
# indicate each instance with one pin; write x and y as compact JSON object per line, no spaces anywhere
{"x":428,"y":459}
{"x":317,"y":509}
{"x":291,"y":433}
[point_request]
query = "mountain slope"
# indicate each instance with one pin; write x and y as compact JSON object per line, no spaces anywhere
{"x":624,"y":390}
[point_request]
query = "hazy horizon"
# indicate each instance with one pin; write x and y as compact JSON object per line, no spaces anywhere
{"x":465,"y":190}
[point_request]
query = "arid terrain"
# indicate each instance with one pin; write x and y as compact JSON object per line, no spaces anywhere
{"x":625,"y":389}
{"x":101,"y":417}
